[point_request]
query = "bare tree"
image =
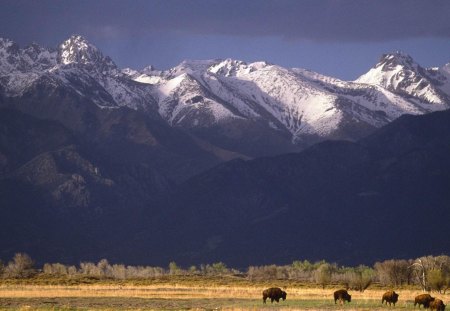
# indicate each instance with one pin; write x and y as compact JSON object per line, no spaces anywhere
{"x":21,"y":266}
{"x":393,"y":272}
{"x":423,"y":266}
{"x":420,"y":273}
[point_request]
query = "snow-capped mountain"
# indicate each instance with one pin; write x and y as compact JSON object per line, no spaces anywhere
{"x":77,"y":50}
{"x":199,"y":94}
{"x":229,"y":102}
{"x":94,"y":150}
{"x":77,"y":65}
{"x":399,"y":73}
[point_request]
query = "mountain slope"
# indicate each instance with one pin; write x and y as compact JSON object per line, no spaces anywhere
{"x":80,"y":184}
{"x":383,"y":197}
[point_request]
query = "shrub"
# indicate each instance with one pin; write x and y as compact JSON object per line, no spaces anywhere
{"x":322,"y":276}
{"x":174,"y":269}
{"x":55,"y":269}
{"x":438,"y":281}
{"x":21,"y":266}
{"x":361,"y":278}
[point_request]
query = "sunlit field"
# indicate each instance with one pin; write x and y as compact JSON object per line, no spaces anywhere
{"x":176,"y":296}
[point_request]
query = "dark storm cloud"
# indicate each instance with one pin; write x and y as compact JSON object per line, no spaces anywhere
{"x":327,"y":20}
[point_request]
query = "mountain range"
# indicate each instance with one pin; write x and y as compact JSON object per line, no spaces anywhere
{"x":250,"y":109}
{"x":214,"y":157}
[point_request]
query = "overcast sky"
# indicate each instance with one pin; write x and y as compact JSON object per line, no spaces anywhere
{"x":335,"y":37}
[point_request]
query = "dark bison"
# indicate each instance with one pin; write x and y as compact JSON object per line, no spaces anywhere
{"x":424,"y":300}
{"x":274,"y":293}
{"x":390,"y":297}
{"x":342,"y":296}
{"x":437,"y":305}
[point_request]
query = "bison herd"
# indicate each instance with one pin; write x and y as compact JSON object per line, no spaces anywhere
{"x":389,"y":297}
{"x":429,"y":302}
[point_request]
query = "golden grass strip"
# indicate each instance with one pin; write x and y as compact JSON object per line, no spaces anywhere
{"x":178,"y":291}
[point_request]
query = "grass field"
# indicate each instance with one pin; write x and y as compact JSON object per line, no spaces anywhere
{"x":188,"y":296}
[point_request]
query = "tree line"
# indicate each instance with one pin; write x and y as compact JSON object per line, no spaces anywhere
{"x":428,"y":272}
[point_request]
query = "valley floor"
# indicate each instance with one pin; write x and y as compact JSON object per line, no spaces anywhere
{"x":187,"y":297}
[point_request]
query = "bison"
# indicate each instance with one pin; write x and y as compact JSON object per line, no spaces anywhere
{"x":437,"y":305}
{"x":342,"y":296}
{"x":423,"y":299}
{"x":274,"y":293}
{"x":390,"y":297}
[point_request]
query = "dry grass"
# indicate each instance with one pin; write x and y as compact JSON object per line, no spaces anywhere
{"x":176,"y":296}
{"x":180,"y":291}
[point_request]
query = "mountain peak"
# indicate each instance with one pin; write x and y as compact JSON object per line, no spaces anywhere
{"x":399,"y":73}
{"x":78,"y":41}
{"x":398,"y":58}
{"x":77,"y":50}
{"x":228,"y":67}
{"x":389,"y":64}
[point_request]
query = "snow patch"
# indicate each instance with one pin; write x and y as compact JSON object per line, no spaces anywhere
{"x":167,"y":88}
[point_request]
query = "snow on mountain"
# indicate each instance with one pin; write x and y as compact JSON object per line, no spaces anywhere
{"x":191,"y":67}
{"x":31,"y":58}
{"x":297,"y":100}
{"x":200,"y":94}
{"x":398,"y":73}
{"x":298,"y":105}
{"x":77,"y":65}
{"x":146,"y":75}
{"x":78,"y":50}
{"x":446,"y":69}
{"x":183,"y":100}
{"x":372,"y":97}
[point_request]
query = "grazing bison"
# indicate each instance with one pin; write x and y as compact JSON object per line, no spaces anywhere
{"x":342,"y":296}
{"x":424,"y":300}
{"x":437,"y":305}
{"x":274,"y":293}
{"x":390,"y":297}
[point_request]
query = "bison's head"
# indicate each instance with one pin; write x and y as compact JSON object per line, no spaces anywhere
{"x":349,"y":298}
{"x":283,"y":295}
{"x":394,"y":297}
